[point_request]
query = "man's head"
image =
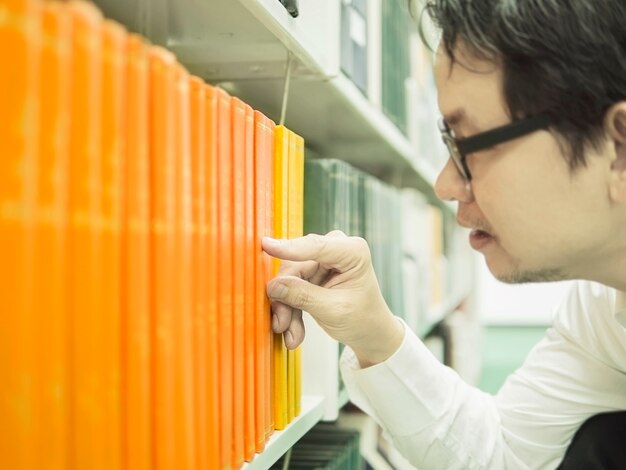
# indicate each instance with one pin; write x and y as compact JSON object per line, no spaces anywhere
{"x":550,"y":204}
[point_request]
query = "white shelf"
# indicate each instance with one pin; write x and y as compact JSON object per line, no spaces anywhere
{"x":242,"y":45}
{"x":237,"y":39}
{"x":281,"y":441}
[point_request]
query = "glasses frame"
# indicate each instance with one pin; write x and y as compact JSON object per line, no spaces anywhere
{"x":460,"y":148}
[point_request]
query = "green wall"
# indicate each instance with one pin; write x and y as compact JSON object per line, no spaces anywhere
{"x":504,"y":350}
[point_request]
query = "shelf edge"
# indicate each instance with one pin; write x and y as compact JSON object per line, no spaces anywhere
{"x":282,"y":441}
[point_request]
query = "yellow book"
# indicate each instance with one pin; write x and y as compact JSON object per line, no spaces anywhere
{"x":296,"y":226}
{"x":281,"y":201}
{"x":292,"y":208}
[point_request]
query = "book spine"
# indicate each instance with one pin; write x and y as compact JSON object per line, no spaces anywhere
{"x":298,"y":231}
{"x":87,"y":348}
{"x":183,"y":281}
{"x":137,"y":396}
{"x":281,"y":228}
{"x":50,"y":270}
{"x":113,"y":128}
{"x":213,"y":374}
{"x":249,"y":299}
{"x":238,"y":110}
{"x":200,"y":266}
{"x":268,"y":264}
{"x":163,"y":254}
{"x":225,"y":279}
{"x":20,"y":36}
{"x":263,"y":152}
{"x":292,"y":208}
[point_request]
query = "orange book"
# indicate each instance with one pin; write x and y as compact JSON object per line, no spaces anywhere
{"x":20,"y":36}
{"x":162,"y":129}
{"x":183,"y":315}
{"x":296,"y":226}
{"x":281,"y":230}
{"x":136,"y":351}
{"x":225,"y":278}
{"x":213,"y":379}
{"x":183,"y":280}
{"x":200,"y":266}
{"x":113,"y":137}
{"x":88,"y":345}
{"x":238,"y":113}
{"x":292,"y":209}
{"x":268,"y":264}
{"x":263,"y":156}
{"x":50,"y":239}
{"x":249,"y":298}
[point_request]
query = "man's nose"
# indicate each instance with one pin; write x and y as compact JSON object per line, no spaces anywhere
{"x":451,"y":186}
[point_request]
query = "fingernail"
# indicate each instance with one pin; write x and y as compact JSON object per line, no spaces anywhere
{"x":280,"y":291}
{"x":274,"y":323}
{"x":289,"y":338}
{"x":270,"y":241}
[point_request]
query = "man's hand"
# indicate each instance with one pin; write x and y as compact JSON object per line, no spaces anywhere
{"x":332,"y":278}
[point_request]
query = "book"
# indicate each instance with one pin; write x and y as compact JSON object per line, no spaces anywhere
{"x":263,"y":157}
{"x":354,"y":42}
{"x":249,"y":313}
{"x":293,"y":208}
{"x":20,"y":39}
{"x":213,"y":376}
{"x":50,"y":242}
{"x":225,"y":278}
{"x":268,"y":271}
{"x":296,"y":226}
{"x":395,"y":60}
{"x":238,"y":116}
{"x":182,"y":281}
{"x":281,"y":230}
{"x":200,"y":266}
{"x":113,"y":126}
{"x":137,"y":376}
{"x":162,"y":145}
{"x":85,"y":237}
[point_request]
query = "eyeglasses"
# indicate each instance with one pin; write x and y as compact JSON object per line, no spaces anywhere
{"x":460,"y":148}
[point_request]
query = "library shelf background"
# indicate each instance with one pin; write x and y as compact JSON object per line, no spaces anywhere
{"x":371,"y":139}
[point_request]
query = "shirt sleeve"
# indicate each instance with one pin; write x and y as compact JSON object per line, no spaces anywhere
{"x":438,"y":421}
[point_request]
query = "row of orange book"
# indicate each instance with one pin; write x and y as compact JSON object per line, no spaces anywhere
{"x":135,"y":327}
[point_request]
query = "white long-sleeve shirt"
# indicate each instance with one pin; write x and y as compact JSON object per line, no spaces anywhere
{"x":439,"y":422}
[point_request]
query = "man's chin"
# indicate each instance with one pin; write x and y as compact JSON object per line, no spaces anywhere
{"x":528,"y":276}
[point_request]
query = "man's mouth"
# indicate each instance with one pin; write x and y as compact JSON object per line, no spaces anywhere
{"x":479,"y":239}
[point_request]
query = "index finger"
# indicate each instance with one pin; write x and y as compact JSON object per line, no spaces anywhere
{"x":337,"y":252}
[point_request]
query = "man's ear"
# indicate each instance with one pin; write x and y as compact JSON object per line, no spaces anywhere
{"x":615,"y":125}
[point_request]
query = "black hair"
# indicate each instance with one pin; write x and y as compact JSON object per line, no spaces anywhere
{"x":566,"y":58}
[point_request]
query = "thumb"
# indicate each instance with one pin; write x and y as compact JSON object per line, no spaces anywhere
{"x":300,"y":294}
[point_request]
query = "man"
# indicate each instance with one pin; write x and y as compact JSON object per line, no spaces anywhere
{"x":533,"y":95}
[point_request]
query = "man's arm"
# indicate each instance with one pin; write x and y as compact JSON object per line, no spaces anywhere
{"x":438,"y":421}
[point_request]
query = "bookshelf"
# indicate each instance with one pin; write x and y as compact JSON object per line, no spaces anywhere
{"x":244,"y":46}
